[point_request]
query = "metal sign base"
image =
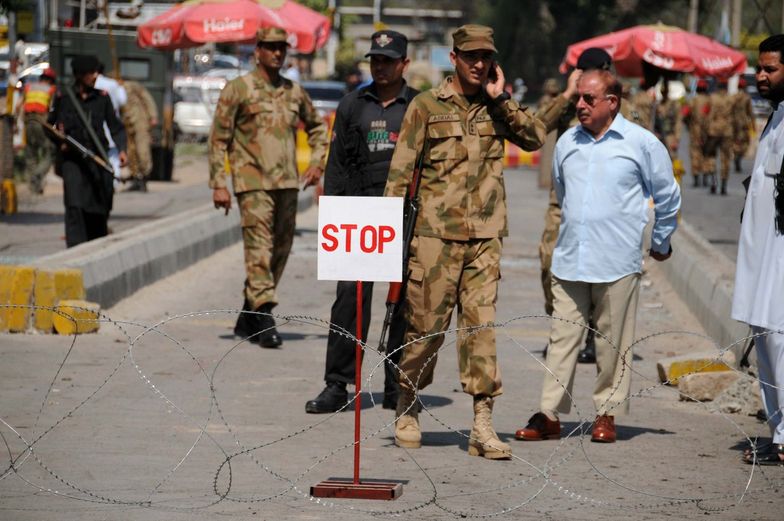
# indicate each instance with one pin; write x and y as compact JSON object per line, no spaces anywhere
{"x":344,"y":488}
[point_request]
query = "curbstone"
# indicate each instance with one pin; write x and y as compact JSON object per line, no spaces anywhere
{"x":705,"y":387}
{"x":673,"y":368}
{"x":51,"y":287}
{"x":21,"y":293}
{"x":75,"y":317}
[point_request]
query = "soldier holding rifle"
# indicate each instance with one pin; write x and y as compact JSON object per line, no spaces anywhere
{"x":80,"y":113}
{"x":460,"y":127}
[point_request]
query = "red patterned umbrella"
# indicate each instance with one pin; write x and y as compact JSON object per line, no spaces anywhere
{"x":195,"y":22}
{"x":665,"y":47}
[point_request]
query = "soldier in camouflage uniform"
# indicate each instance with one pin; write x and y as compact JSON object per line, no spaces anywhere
{"x":742,"y":121}
{"x":667,"y":126}
{"x":255,"y":123}
{"x":719,"y":137}
{"x":644,"y":102}
{"x":695,"y":114}
{"x":459,"y":127}
{"x":139,"y":116}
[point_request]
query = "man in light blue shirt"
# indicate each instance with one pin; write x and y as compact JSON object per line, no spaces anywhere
{"x":604,"y":172}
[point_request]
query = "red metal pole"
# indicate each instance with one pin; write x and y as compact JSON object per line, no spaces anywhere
{"x":358,"y":383}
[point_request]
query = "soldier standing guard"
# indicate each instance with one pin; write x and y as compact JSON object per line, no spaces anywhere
{"x":459,"y":128}
{"x":88,"y":191}
{"x":36,"y":100}
{"x":139,"y":115}
{"x":719,"y":130}
{"x":695,"y":114}
{"x":367,"y":126}
{"x":255,"y":123}
{"x":742,"y":121}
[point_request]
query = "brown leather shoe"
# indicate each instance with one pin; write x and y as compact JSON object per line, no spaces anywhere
{"x":604,"y":429}
{"x":539,"y":428}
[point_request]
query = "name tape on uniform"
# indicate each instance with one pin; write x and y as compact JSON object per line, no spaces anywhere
{"x":360,"y":238}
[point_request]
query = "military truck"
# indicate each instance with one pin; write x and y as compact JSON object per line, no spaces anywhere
{"x":151,"y":68}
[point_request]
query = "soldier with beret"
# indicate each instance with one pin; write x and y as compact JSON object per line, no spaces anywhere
{"x":367,"y":126}
{"x":459,"y":128}
{"x":88,"y":191}
{"x":255,"y":123}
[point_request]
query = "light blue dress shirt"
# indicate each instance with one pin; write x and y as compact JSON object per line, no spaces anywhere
{"x":603,"y":187}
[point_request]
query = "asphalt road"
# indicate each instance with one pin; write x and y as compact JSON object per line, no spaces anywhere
{"x":163,"y":415}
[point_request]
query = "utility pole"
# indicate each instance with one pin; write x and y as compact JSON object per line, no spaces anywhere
{"x":735,"y":22}
{"x":333,"y":42}
{"x":694,"y":7}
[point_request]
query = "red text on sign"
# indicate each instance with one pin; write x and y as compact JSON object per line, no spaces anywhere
{"x":371,"y":238}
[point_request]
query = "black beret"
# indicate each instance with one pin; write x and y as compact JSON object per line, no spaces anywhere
{"x":84,"y":64}
{"x":594,"y":58}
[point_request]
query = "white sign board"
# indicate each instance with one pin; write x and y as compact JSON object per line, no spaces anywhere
{"x":360,"y":238}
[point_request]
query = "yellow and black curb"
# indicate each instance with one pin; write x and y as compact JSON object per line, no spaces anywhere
{"x":45,"y":300}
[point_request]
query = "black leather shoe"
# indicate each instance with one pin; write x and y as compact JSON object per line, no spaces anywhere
{"x":269,"y":336}
{"x":588,"y":352}
{"x":333,"y":398}
{"x":245,"y":322}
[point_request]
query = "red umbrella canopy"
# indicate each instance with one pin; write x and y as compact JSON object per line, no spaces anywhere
{"x":195,"y":22}
{"x":663,"y":46}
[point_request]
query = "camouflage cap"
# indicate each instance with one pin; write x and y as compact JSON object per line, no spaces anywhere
{"x":474,"y":37}
{"x":271,"y":34}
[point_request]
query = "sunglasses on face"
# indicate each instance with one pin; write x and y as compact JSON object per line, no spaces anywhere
{"x":592,"y":100}
{"x":273,"y":46}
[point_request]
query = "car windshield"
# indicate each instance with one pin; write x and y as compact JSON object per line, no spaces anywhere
{"x":324,"y":92}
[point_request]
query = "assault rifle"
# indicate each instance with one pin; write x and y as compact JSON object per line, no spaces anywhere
{"x":85,"y":152}
{"x":410,"y":213}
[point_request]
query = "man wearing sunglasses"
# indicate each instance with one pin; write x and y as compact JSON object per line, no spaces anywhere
{"x":604,"y":171}
{"x":759,"y":280}
{"x":255,"y":122}
{"x":458,"y":129}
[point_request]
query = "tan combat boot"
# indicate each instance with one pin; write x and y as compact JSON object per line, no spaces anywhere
{"x":484,"y":441}
{"x":407,"y":433}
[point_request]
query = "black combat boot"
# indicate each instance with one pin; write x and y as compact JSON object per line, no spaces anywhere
{"x":723,"y":187}
{"x":737,"y":165}
{"x":269,"y":336}
{"x":713,"y":184}
{"x":696,"y":181}
{"x":588,"y":352}
{"x":333,"y":398}
{"x":246,"y":322}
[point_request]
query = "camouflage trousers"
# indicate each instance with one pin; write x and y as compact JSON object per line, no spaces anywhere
{"x":139,"y":153}
{"x":444,"y":274}
{"x":268,"y":223}
{"x":552,"y":222}
{"x":740,"y":144}
{"x":38,"y":153}
{"x":722,"y":145}
{"x":696,"y":158}
{"x":613,"y":306}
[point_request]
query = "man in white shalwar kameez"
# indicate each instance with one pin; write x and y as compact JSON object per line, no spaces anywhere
{"x":759,"y":280}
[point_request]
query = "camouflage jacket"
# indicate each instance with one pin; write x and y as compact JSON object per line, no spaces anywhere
{"x":461,"y":189}
{"x":256,"y":123}
{"x":720,"y":116}
{"x":742,"y":112}
{"x":557,"y":113}
{"x":140,"y":109}
{"x":668,"y":119}
{"x":695,"y":117}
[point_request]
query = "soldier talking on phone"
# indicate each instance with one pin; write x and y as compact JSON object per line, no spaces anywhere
{"x":459,"y":128}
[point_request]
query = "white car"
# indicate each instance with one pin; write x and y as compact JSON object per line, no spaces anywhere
{"x":195,"y":99}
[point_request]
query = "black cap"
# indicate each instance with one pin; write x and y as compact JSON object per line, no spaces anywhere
{"x":84,"y":64}
{"x":388,"y":43}
{"x":594,"y":58}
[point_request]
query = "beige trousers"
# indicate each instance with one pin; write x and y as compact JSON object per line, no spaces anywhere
{"x":614,"y":312}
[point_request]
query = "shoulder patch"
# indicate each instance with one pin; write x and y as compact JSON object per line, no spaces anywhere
{"x":435,"y":118}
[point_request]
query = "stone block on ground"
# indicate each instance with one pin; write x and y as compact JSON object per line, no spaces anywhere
{"x":705,"y":387}
{"x":51,"y":287}
{"x":741,"y":397}
{"x":672,"y":368}
{"x":76,"y":317}
{"x":20,"y":298}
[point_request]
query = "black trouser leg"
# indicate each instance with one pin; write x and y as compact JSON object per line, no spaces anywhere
{"x":340,"y":364}
{"x":75,"y":226}
{"x":97,"y":225}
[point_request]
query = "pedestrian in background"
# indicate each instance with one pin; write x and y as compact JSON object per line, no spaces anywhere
{"x":668,"y":121}
{"x":37,"y":98}
{"x":458,"y":128}
{"x":255,"y":123}
{"x":88,"y":191}
{"x":759,"y":277}
{"x":140,"y":115}
{"x":742,"y":123}
{"x":695,"y":115}
{"x":719,"y":136}
{"x":604,"y":171}
{"x":367,"y":126}
{"x":119,"y":98}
